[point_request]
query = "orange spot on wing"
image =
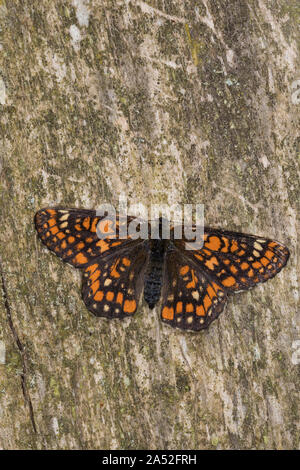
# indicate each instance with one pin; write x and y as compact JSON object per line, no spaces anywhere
{"x":126,"y":262}
{"x":99,"y":296}
{"x":71,"y":239}
{"x":94,"y":225}
{"x":119,"y":298}
{"x":92,"y":267}
{"x":103,"y":245}
{"x":78,"y":227}
{"x":229,"y":281}
{"x":200,"y":311}
{"x":64,"y":244}
{"x":54,"y":230}
{"x":250,"y":273}
{"x":79,"y":246}
{"x":207,"y":302}
{"x":116,"y":243}
{"x":269,"y":254}
{"x":129,"y":306}
{"x":264,"y":261}
{"x":234,"y":246}
{"x":233,"y":269}
{"x":214,"y":243}
{"x":114,"y":272}
{"x":244,"y":266}
{"x":168,"y":313}
{"x":210,"y":292}
{"x":51,"y":212}
{"x":189,"y":308}
{"x":86,"y":223}
{"x":192,"y":284}
{"x":184,"y":270}
{"x":210,"y":263}
{"x":95,"y":286}
{"x":256,"y":264}
{"x":51,"y":222}
{"x":226,"y":243}
{"x":95,"y":275}
{"x":61,"y":235}
{"x":273,"y":244}
{"x":80,"y":259}
{"x":198,"y":257}
{"x":216,"y":287}
{"x":110,"y":295}
{"x":179,"y":307}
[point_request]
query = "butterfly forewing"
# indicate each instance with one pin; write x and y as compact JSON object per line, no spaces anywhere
{"x":235,"y":260}
{"x":72,"y":234}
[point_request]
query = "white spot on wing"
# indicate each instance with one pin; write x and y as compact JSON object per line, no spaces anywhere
{"x":195,"y":295}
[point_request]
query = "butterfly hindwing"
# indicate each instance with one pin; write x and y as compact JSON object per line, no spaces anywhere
{"x":112,"y":286}
{"x":190,"y":299}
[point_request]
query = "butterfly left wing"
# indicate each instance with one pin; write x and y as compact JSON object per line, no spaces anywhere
{"x":112,"y":286}
{"x":72,"y":234}
{"x":113,"y":267}
{"x":190,"y":298}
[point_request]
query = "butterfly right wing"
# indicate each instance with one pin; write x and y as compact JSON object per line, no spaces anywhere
{"x":227,"y":262}
{"x":238,"y":261}
{"x":191,"y":300}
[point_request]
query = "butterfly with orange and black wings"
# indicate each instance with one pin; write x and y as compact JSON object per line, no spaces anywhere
{"x":193,"y":283}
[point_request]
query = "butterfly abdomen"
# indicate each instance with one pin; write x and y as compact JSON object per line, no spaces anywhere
{"x":154,"y":272}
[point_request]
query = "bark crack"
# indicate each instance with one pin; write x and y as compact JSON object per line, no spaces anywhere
{"x":20,"y":347}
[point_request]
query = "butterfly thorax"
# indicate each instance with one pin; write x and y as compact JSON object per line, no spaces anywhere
{"x":154,"y":272}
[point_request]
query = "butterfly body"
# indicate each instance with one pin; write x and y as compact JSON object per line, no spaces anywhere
{"x":154,"y":272}
{"x":193,"y":284}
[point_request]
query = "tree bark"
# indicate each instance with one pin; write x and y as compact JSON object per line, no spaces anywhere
{"x":174,"y":102}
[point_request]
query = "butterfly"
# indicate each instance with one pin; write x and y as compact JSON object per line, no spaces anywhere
{"x":194,"y":284}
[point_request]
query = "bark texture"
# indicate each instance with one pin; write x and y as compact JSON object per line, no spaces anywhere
{"x":165,"y":101}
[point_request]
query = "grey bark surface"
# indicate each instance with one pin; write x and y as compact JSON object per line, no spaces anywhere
{"x":165,"y":101}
